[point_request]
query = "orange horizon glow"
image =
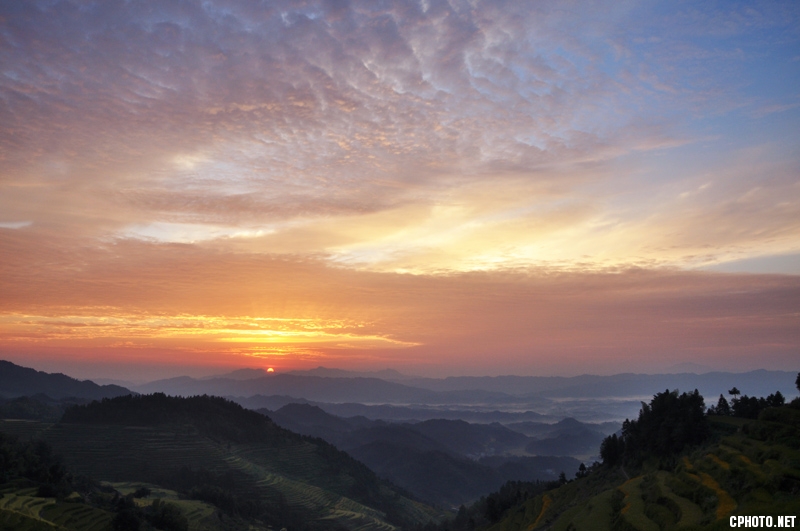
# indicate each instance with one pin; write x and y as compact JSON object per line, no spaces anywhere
{"x":474,"y":188}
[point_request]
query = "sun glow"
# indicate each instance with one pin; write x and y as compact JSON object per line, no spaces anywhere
{"x":118,"y":328}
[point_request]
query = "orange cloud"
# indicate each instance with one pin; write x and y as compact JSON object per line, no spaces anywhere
{"x":188,"y":299}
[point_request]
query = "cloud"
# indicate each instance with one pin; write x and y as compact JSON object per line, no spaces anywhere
{"x":185,"y":299}
{"x":289,"y":160}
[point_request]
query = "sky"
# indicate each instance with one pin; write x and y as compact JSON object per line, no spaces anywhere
{"x":444,"y":188}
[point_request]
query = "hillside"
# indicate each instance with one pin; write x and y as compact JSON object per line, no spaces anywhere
{"x":746,"y":467}
{"x":18,"y":381}
{"x":446,"y":462}
{"x":213,"y":448}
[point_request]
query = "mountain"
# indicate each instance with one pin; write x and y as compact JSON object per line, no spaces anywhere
{"x":36,"y":407}
{"x":324,"y":389}
{"x":21,"y":381}
{"x":455,"y":437}
{"x":760,"y":382}
{"x":474,"y":399}
{"x":315,"y":388}
{"x":419,"y":413}
{"x":436,"y":460}
{"x":436,"y":474}
{"x":440,"y":477}
{"x":325,"y":372}
{"x":310,"y":420}
{"x":542,"y":430}
{"x":217,"y":451}
{"x":575,"y":441}
{"x":472,"y":440}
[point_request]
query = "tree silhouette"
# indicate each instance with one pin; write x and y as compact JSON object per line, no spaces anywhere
{"x":797,"y":381}
{"x":722,"y":407}
{"x":670,"y":423}
{"x":734,"y":392}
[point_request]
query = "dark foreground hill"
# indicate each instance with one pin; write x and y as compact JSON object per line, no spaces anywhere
{"x":214,"y":450}
{"x":21,"y":381}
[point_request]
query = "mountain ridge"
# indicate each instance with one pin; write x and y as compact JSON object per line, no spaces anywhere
{"x":16,"y":381}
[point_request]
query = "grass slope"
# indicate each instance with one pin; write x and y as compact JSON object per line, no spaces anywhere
{"x":752,"y":467}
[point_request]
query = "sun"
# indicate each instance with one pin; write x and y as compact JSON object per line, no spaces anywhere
{"x":270,"y":370}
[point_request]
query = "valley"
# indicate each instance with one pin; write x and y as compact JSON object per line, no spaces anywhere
{"x":318,"y":464}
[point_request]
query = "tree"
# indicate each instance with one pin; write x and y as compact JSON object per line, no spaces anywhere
{"x":670,"y":423}
{"x":735,"y":392}
{"x":797,"y":381}
{"x":582,"y":472}
{"x":776,"y":400}
{"x":612,"y":449}
{"x":168,"y":516}
{"x":722,"y":407}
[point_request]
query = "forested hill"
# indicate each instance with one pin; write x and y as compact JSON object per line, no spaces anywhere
{"x":198,"y":444}
{"x":211,"y":415}
{"x":673,"y":468}
{"x":22,"y":381}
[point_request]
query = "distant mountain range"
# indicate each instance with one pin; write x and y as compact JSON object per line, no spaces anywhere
{"x":385,"y":387}
{"x":399,"y":397}
{"x":327,"y":389}
{"x":487,"y":399}
{"x":21,"y":381}
{"x":758,"y":383}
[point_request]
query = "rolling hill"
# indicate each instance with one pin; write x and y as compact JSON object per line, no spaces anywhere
{"x":202,"y":443}
{"x":441,"y":461}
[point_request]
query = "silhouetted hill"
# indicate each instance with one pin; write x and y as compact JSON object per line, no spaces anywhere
{"x":453,"y":436}
{"x":472,"y":440}
{"x":210,"y":415}
{"x":22,"y":381}
{"x":435,"y":459}
{"x":325,"y":372}
{"x":397,"y":434}
{"x":433,"y":475}
{"x":574,"y":442}
{"x":310,"y":420}
{"x":420,"y":413}
{"x":315,"y":388}
{"x":531,"y":468}
{"x":542,"y":430}
{"x":214,"y":448}
{"x":36,"y":407}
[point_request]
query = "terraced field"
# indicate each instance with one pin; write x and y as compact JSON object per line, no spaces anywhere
{"x":754,"y":470}
{"x":21,"y":509}
{"x":25,"y":503}
{"x":117,"y":453}
{"x":325,"y":504}
{"x":294,"y":471}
